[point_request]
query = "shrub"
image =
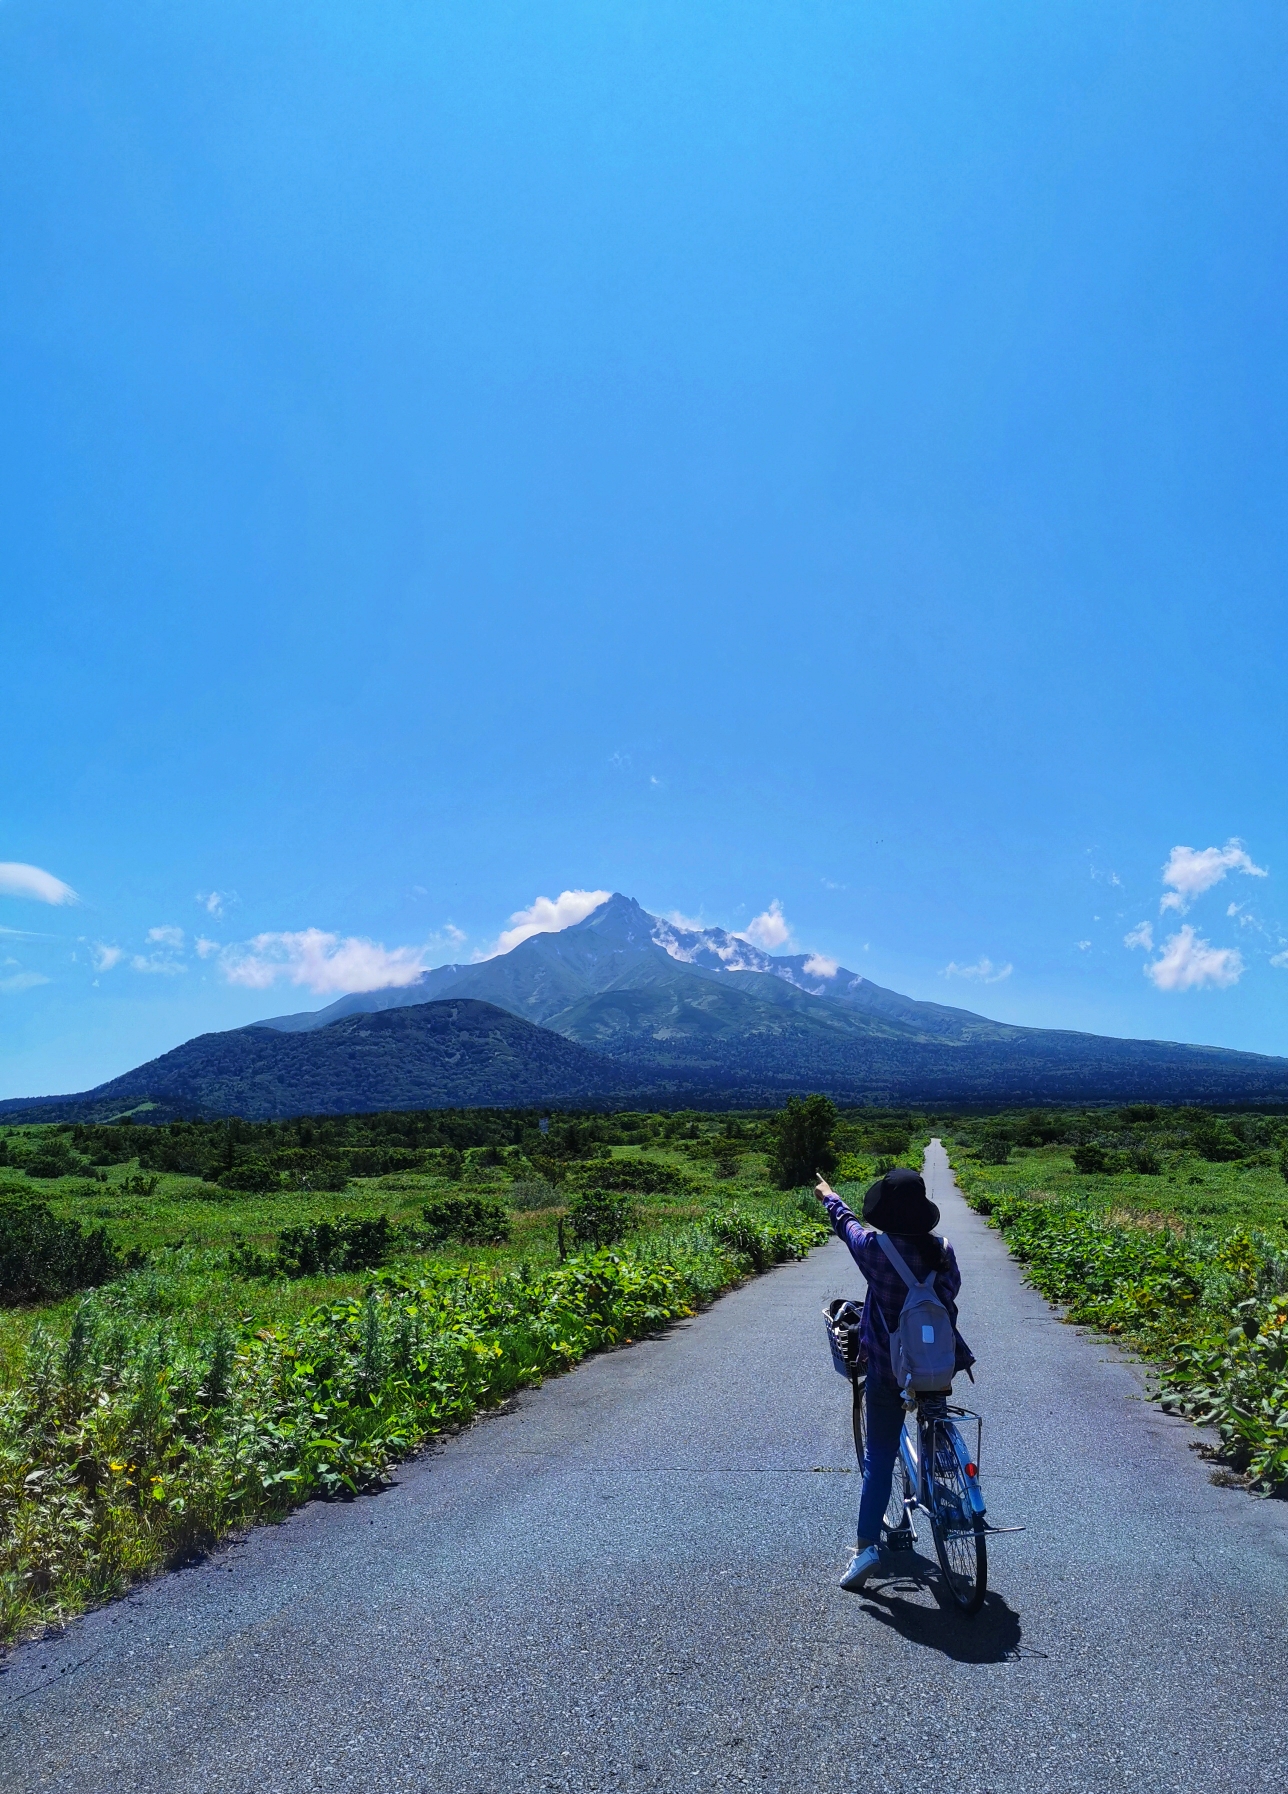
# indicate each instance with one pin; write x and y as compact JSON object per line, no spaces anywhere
{"x":472,"y":1220}
{"x":255,"y":1176}
{"x":1146,"y":1161}
{"x":1090,"y":1158}
{"x":1216,"y":1141}
{"x":600,"y":1217}
{"x":322,"y":1248}
{"x":994,"y":1149}
{"x":642,"y":1177}
{"x":766,"y":1242}
{"x":53,"y":1159}
{"x":852,"y":1169}
{"x":41,"y":1256}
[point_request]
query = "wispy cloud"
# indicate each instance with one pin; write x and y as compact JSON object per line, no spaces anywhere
{"x":1083,"y":946}
{"x":547,"y":915}
{"x":19,"y":880}
{"x":105,"y":957}
{"x":217,"y":903}
{"x":1280,"y":960}
{"x":1192,"y":870}
{"x":19,"y":981}
{"x":166,"y":936}
{"x":983,"y":971}
{"x":203,"y":946}
{"x":1187,"y":962}
{"x":818,"y":965}
{"x":769,"y":929}
{"x":1142,"y":935}
{"x":164,"y":964}
{"x":321,"y":962}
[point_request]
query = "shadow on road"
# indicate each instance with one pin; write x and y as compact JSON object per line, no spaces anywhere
{"x":992,"y":1636}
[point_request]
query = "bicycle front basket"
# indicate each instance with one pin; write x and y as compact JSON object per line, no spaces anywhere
{"x":841,"y":1318}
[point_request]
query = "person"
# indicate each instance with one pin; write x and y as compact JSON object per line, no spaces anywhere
{"x":897,"y":1204}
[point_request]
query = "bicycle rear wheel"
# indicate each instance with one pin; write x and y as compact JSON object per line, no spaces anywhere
{"x":958,"y":1531}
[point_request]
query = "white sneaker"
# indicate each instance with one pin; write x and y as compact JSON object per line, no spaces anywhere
{"x":865,"y":1564}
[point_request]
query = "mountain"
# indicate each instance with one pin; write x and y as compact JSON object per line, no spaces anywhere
{"x":707,"y":1011}
{"x":629,"y":1009}
{"x":455,"y":1054}
{"x":620,"y":946}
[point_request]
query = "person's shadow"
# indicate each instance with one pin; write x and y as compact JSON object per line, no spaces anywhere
{"x":991,"y":1636}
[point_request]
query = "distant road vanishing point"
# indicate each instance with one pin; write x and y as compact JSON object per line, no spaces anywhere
{"x":627,"y":1580}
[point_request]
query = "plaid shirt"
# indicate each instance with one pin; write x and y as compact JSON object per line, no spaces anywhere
{"x":887,"y":1289}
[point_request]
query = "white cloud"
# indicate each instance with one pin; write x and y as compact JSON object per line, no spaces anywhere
{"x":1188,"y":962}
{"x":983,"y":970}
{"x":548,"y":915}
{"x":453,"y":935}
{"x":769,"y":929}
{"x":22,"y":981}
{"x":1190,"y":871}
{"x":205,"y":947}
{"x":157,"y":962}
{"x":690,"y":924}
{"x":1083,"y":946}
{"x":18,"y":880}
{"x":818,"y":965}
{"x":167,"y":936}
{"x":321,"y":962}
{"x":1280,"y":960}
{"x":1142,"y":935}
{"x":216,"y":903}
{"x":106,"y":957}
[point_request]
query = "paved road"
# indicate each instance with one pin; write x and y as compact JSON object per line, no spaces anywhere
{"x":628,"y":1580}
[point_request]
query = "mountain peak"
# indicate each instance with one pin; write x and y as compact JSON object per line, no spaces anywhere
{"x":619,"y":919}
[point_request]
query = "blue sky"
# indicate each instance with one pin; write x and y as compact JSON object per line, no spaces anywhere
{"x":822,"y":454}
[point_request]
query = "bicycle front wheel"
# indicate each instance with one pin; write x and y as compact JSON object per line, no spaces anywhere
{"x":958,"y":1531}
{"x":898,"y":1524}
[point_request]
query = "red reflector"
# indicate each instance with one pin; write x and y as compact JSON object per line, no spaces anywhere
{"x":972,"y":1469}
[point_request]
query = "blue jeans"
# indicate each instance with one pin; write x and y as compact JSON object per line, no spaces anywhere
{"x":883,"y":1413}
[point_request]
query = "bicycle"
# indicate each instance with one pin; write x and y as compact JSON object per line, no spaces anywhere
{"x":933,"y":1472}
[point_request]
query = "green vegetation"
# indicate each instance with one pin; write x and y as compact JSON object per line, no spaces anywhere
{"x":1167,"y":1228}
{"x":43,"y":1256}
{"x":284,"y":1310}
{"x":804,"y":1147}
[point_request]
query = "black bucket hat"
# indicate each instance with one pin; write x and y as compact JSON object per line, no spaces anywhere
{"x":898,"y":1203}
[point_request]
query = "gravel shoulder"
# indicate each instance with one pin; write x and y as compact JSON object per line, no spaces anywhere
{"x":627,"y":1579}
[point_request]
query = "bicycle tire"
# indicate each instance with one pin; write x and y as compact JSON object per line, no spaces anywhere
{"x":858,"y":1386}
{"x":957,"y":1530}
{"x":897,"y":1525}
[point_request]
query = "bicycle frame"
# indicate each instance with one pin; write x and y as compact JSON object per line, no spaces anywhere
{"x":939,"y":1433}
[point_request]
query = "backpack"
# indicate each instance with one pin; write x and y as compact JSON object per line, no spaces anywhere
{"x":923,"y":1347}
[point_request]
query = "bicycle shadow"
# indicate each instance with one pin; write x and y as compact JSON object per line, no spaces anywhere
{"x":993,"y":1635}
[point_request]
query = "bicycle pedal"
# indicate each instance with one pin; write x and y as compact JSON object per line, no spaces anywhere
{"x":902,"y":1540}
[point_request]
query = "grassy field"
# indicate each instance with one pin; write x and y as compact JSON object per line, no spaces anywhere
{"x":189,"y":1231}
{"x":1167,"y":1229}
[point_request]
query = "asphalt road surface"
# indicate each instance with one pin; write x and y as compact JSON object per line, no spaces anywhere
{"x":628,"y":1580}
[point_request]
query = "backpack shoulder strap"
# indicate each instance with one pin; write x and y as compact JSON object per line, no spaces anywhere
{"x":896,"y":1259}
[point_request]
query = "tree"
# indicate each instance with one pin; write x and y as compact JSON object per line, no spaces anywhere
{"x":804,"y":1144}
